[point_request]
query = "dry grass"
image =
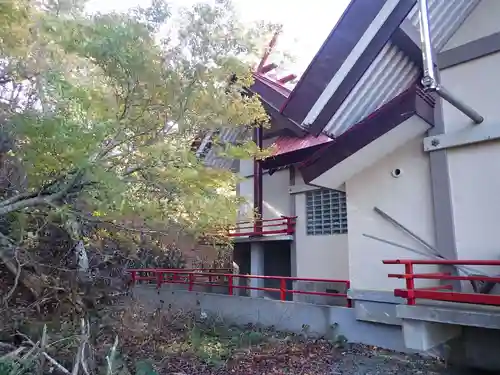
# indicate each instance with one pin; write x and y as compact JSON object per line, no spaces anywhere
{"x":129,"y":340}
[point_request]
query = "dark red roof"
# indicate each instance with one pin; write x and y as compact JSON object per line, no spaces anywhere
{"x":294,"y":150}
{"x":285,"y":144}
{"x":273,"y":84}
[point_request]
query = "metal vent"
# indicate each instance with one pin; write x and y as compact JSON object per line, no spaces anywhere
{"x":326,"y":212}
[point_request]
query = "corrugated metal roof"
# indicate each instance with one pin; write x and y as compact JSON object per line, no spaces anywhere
{"x":284,"y":144}
{"x":389,"y":75}
{"x":232,"y":134}
{"x":227,"y":135}
{"x":445,"y":17}
{"x":392,"y":71}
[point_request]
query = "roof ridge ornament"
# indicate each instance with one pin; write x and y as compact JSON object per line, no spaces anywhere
{"x":429,"y":81}
{"x":263,"y":68}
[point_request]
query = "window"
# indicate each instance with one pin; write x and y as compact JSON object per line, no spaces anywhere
{"x":326,"y":212}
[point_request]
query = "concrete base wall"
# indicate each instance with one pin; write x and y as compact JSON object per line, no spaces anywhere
{"x":311,"y":286}
{"x":376,"y":306}
{"x":185,"y":288}
{"x":283,"y":315}
{"x":464,"y":345}
{"x":463,"y":334}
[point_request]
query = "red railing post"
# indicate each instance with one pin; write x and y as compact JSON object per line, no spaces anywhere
{"x":159,"y":279}
{"x":191,"y":281}
{"x":410,"y":284}
{"x":230,"y":285}
{"x":190,"y":277}
{"x":283,"y":289}
{"x":258,"y":226}
{"x":347,"y":287}
{"x":289,"y":225}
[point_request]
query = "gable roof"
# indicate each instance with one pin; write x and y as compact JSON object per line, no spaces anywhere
{"x":272,"y":96}
{"x":360,"y":34}
{"x":412,"y":102}
{"x":371,"y":56}
{"x":271,"y":92}
{"x":293,"y":150}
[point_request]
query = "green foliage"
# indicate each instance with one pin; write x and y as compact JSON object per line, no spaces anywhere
{"x":109,"y":105}
{"x":16,"y":364}
{"x":214,"y":342}
{"x":144,"y":368}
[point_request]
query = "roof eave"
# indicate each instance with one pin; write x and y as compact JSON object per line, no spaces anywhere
{"x":272,"y":97}
{"x":387,"y":31}
{"x":410,"y":103}
{"x":358,"y":18}
{"x":279,"y":122}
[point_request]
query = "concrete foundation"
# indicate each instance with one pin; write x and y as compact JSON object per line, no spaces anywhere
{"x":376,"y":306}
{"x":453,"y":313}
{"x":315,"y":320}
{"x":420,"y":329}
{"x":311,"y":286}
{"x":424,"y":336}
{"x":464,"y":334}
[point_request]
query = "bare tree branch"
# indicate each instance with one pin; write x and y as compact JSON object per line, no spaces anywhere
{"x":10,"y":293}
{"x":45,"y":200}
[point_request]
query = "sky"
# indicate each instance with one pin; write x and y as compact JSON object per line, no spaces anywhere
{"x":305,"y":27}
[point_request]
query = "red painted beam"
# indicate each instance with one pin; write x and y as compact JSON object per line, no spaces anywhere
{"x":287,"y":78}
{"x":445,"y":262}
{"x":267,"y":68}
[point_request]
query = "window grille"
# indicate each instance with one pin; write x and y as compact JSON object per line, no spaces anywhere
{"x":326,"y":212}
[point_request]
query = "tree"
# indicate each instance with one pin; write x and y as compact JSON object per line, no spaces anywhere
{"x":99,"y":113}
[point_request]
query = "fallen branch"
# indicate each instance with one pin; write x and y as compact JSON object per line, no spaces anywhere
{"x":13,"y":354}
{"x":29,"y":281}
{"x":43,"y":345}
{"x":85,"y":344}
{"x":111,"y":357}
{"x":10,"y":293}
{"x":48,"y":357}
{"x":6,"y":345}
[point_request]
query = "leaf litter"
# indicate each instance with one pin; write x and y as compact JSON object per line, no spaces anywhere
{"x":130,"y":340}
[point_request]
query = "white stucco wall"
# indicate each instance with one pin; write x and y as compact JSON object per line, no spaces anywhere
{"x":276,"y":199}
{"x":319,"y":256}
{"x":475,"y":170}
{"x":246,"y":168}
{"x":407,"y":199}
{"x":482,"y":22}
{"x":245,"y":190}
{"x":316,"y":256}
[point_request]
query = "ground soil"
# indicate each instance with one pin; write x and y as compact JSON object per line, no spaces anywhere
{"x":176,"y":343}
{"x":311,"y":358}
{"x":204,"y":348}
{"x":361,"y":360}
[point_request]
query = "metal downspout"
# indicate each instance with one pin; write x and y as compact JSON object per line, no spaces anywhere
{"x":429,"y":80}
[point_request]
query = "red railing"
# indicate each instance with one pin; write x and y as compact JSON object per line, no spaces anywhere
{"x":444,"y":292}
{"x":283,"y":225}
{"x":151,"y":274}
{"x":226,"y":280}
